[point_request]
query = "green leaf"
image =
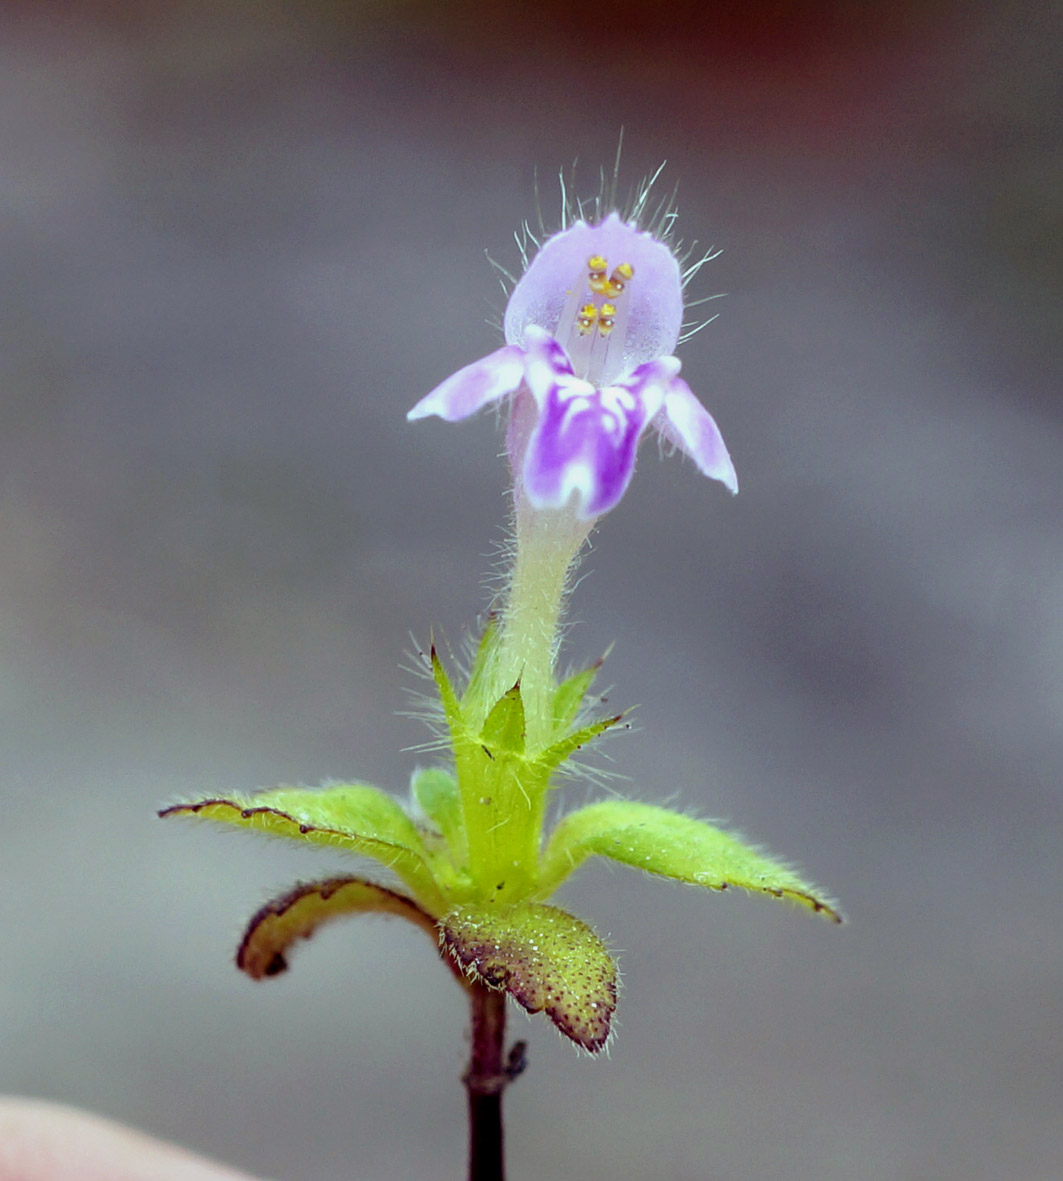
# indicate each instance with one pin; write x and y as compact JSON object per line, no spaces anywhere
{"x":675,"y":846}
{"x":481,"y":667}
{"x":436,"y":791}
{"x":298,"y":913}
{"x":449,"y":699}
{"x":545,"y":958}
{"x":503,"y":730}
{"x":570,"y":693}
{"x":354,"y":817}
{"x":556,"y":754}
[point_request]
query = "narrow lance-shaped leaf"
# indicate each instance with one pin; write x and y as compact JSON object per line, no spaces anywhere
{"x":559,"y":751}
{"x":663,"y":842}
{"x":481,"y":667}
{"x":447,"y":696}
{"x":467,"y":752}
{"x":354,"y":817}
{"x":545,"y":958}
{"x":298,"y":913}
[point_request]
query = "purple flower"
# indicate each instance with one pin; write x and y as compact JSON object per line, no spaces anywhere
{"x":590,"y":330}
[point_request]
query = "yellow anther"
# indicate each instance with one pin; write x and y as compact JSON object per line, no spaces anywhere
{"x":586,"y":318}
{"x":596,"y":272}
{"x":620,"y":278}
{"x":606,"y":319}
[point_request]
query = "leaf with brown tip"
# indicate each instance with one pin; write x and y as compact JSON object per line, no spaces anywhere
{"x":297,"y":914}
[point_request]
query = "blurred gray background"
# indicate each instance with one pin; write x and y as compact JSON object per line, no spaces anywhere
{"x":238,"y":241}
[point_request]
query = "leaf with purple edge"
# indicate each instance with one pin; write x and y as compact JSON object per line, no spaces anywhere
{"x":667,"y":843}
{"x":297,"y":914}
{"x":355,"y":817}
{"x":545,"y":958}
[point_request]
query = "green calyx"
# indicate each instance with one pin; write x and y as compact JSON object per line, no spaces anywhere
{"x":503,"y":778}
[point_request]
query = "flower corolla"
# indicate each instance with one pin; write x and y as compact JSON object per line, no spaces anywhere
{"x":591,"y":328}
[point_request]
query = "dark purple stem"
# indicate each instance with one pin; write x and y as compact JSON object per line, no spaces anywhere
{"x":490,"y":1070}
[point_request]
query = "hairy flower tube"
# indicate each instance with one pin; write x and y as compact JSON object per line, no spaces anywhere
{"x":587,"y":367}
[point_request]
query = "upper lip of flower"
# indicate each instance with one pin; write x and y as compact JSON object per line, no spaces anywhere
{"x":612,"y":264}
{"x":583,"y":445}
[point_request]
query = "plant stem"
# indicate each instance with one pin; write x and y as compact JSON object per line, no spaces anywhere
{"x":486,"y":1078}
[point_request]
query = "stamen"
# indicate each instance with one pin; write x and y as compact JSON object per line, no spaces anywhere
{"x":586,"y":317}
{"x":620,"y":278}
{"x":607,"y":319}
{"x":597,"y":268}
{"x":592,"y":327}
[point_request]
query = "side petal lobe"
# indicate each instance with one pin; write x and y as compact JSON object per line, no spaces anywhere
{"x":477,"y":385}
{"x":686,"y":424}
